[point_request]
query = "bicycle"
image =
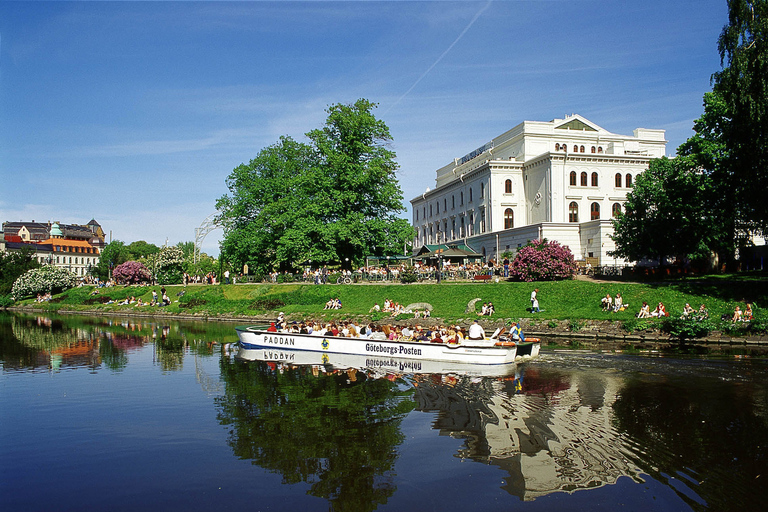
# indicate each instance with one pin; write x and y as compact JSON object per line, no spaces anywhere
{"x":344,"y":280}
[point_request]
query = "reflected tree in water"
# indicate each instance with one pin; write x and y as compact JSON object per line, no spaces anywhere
{"x":336,"y":431}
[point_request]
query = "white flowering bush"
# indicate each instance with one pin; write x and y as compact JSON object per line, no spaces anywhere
{"x":170,"y":265}
{"x":46,"y":279}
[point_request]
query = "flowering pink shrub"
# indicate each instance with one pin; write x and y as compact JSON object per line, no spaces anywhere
{"x":131,"y":272}
{"x":543,"y":261}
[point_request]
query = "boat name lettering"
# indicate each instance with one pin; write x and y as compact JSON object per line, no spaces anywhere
{"x":278,"y":356}
{"x":393,"y":349}
{"x":394,"y":364}
{"x":279,"y":340}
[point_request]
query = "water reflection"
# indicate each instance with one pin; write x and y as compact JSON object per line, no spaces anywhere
{"x":336,"y":424}
{"x":38,"y":342}
{"x":336,"y":429}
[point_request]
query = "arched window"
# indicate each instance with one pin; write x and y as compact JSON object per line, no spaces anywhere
{"x":594,"y":149}
{"x":461,"y":198}
{"x":430,"y":210}
{"x":417,"y":215}
{"x":509,"y":218}
{"x":424,"y":212}
{"x":445,"y":204}
{"x":573,"y":212}
{"x":594,"y":179}
{"x":461,"y":229}
{"x":618,"y":180}
{"x":470,"y":194}
{"x":573,"y":178}
{"x":615,"y":210}
{"x":482,"y":191}
{"x":581,"y":149}
{"x":583,"y":179}
{"x":437,"y":207}
{"x":629,"y":180}
{"x":508,"y":187}
{"x":594,"y":211}
{"x":471,"y":227}
{"x":453,"y":201}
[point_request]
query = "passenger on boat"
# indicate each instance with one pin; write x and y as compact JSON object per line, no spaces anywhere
{"x":476,"y":331}
{"x":517,"y":332}
{"x":272,"y":327}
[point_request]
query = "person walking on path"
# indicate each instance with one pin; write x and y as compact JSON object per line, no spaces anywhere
{"x":535,"y":301}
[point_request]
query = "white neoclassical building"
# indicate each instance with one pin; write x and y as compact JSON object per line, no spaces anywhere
{"x":560,"y":180}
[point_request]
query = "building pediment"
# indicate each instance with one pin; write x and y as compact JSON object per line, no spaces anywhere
{"x":576,"y":123}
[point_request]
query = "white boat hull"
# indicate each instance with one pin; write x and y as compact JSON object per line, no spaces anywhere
{"x":471,"y":352}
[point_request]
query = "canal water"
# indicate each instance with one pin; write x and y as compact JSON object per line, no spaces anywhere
{"x":101,"y":413}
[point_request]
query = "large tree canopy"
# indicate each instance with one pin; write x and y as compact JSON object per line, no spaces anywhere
{"x":660,"y":218}
{"x":710,"y":199}
{"x":743,"y":86}
{"x":330,"y":202}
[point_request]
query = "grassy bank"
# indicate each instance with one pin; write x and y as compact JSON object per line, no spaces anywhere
{"x":574,"y":301}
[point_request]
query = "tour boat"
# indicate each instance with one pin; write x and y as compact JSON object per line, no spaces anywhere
{"x":379,"y":364}
{"x":486,"y":351}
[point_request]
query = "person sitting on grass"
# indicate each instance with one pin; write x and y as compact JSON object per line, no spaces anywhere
{"x":747,"y":315}
{"x":645,"y":311}
{"x":703,"y":314}
{"x":660,"y":311}
{"x":687,"y":312}
{"x":607,"y":302}
{"x":737,"y":315}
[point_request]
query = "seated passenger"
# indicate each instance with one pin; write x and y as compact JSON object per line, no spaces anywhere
{"x":476,"y":331}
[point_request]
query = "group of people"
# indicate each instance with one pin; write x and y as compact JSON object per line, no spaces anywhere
{"x":659,"y":312}
{"x":43,"y":297}
{"x":744,"y":315}
{"x":395,"y":308}
{"x":487,"y":309}
{"x":350,"y":329}
{"x":616,"y":304}
{"x":333,"y":304}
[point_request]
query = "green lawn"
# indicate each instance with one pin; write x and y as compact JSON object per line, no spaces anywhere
{"x":562,"y":300}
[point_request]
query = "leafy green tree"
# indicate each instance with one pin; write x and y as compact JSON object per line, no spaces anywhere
{"x":665,"y":214}
{"x":142,"y":249}
{"x":113,"y":254}
{"x":331,"y":201}
{"x":743,"y":86}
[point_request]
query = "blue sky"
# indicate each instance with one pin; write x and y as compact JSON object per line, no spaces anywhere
{"x":135,"y":113}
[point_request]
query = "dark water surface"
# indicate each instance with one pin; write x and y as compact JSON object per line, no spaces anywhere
{"x":134,"y":414}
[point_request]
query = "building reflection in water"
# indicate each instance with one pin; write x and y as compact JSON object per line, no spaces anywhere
{"x":549,"y":433}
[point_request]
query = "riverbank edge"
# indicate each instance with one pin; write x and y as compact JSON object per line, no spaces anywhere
{"x":593,"y":335}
